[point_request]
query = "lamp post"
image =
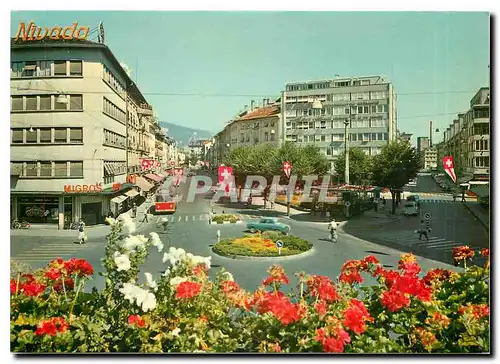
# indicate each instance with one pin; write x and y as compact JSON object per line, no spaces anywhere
{"x":347,"y":124}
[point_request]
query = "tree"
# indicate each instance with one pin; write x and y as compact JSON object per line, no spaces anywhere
{"x":360,"y":166}
{"x":395,"y":166}
{"x":306,"y":160}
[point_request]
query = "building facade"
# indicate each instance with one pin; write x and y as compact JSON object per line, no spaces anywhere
{"x":259,"y":125}
{"x":422,"y":144}
{"x":319,"y":112}
{"x":467,"y":139}
{"x":430,"y":159}
{"x":73,"y":116}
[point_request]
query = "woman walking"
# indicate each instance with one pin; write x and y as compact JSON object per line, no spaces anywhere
{"x":81,"y":232}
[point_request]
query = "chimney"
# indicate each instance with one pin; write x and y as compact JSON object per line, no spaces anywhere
{"x":251,"y":105}
{"x":430,"y":132}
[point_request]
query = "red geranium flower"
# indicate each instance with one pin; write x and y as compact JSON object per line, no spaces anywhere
{"x":355,"y":317}
{"x":280,"y":306}
{"x":333,"y":344}
{"x":53,"y":274}
{"x":200,"y":269}
{"x":321,"y":308}
{"x":33,"y":288}
{"x":322,"y":287}
{"x":462,"y":253}
{"x":276,"y":274}
{"x":351,"y":277}
{"x":187,"y":290}
{"x":436,"y":274}
{"x":13,"y":285}
{"x":371,"y":259}
{"x":477,"y":311}
{"x":395,"y":300}
{"x":52,"y":327}
{"x":69,"y":283}
{"x":485,"y":252}
{"x":136,"y":320}
{"x":229,"y":287}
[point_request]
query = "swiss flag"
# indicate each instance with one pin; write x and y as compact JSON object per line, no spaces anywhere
{"x":157,"y":164}
{"x":449,"y":167}
{"x":224,"y":173}
{"x":144,"y":164}
{"x":178,"y":173}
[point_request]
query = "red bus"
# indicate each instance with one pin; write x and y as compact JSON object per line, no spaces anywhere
{"x":164,"y":203}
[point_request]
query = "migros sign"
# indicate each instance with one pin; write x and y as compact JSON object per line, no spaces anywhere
{"x":33,"y":32}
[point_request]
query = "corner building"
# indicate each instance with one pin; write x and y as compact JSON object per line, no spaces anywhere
{"x":68,"y":131}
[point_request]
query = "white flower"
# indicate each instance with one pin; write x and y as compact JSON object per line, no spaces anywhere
{"x":174,"y":255}
{"x":167,"y":272}
{"x":128,"y":223}
{"x":175,"y":332}
{"x":226,"y":276}
{"x":174,"y":282}
{"x":122,"y":261}
{"x":149,"y":281}
{"x":134,"y":242}
{"x":196,"y":259}
{"x":149,"y":302}
{"x":155,"y":239}
{"x":129,"y":291}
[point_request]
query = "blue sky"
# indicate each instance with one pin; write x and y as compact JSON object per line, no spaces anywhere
{"x":436,"y":61}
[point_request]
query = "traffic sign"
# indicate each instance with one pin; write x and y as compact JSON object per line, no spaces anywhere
{"x":427,"y":216}
{"x":348,"y":203}
{"x":279,"y":245}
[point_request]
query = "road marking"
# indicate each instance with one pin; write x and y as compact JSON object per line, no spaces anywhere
{"x":187,"y":218}
{"x":180,"y":217}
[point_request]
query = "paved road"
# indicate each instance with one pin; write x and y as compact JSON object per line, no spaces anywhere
{"x":452,"y":225}
{"x":197,"y":236}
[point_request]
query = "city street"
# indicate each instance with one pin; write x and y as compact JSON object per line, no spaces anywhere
{"x":190,"y":230}
{"x":452,"y":225}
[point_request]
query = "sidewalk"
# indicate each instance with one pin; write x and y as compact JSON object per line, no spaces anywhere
{"x":93,"y":232}
{"x":480,"y":213}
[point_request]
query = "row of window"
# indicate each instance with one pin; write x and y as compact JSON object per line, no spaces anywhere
{"x":114,"y":168}
{"x":112,"y":81}
{"x":337,"y":124}
{"x":322,"y":85}
{"x":62,"y":169}
{"x":355,"y":137}
{"x":114,"y":140}
{"x":47,"y":135}
{"x":268,"y":137}
{"x":481,"y":161}
{"x":481,"y":145}
{"x":113,"y":111}
{"x":335,"y":151}
{"x":46,"y":103}
{"x":339,"y":110}
{"x":46,"y":68}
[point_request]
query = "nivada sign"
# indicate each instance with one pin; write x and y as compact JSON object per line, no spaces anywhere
{"x":33,"y":32}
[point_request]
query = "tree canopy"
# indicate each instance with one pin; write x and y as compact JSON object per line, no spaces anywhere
{"x":360,"y":167}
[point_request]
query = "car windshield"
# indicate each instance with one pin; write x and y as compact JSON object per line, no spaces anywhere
{"x":410,"y":205}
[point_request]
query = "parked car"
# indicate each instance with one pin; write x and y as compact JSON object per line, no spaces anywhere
{"x":268,"y":223}
{"x":411,"y":209}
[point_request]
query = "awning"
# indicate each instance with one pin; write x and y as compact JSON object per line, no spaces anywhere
{"x":464,"y":179}
{"x":154,"y":177}
{"x":111,"y":191}
{"x":143,"y":184}
{"x":131,"y":193}
{"x":109,"y":169}
{"x":481,"y":190}
{"x":119,"y":199}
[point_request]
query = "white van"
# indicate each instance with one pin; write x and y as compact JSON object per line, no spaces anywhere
{"x":410,"y":208}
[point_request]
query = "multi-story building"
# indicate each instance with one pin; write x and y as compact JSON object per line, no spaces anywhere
{"x":69,"y":132}
{"x":430,"y":159}
{"x":255,"y":126}
{"x":320,"y":112}
{"x":467,"y":139}
{"x":422,"y":144}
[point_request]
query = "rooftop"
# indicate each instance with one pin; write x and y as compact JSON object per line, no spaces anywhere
{"x":259,"y":113}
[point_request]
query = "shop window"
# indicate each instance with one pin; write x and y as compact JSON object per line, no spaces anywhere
{"x":45,"y":135}
{"x":45,"y":169}
{"x":60,"y":68}
{"x":17,"y":103}
{"x":76,"y":135}
{"x":31,"y":103}
{"x":75,"y":68}
{"x":17,"y":136}
{"x":46,"y":102}
{"x":61,"y":135}
{"x":76,"y":102}
{"x":31,"y":169}
{"x":76,"y":169}
{"x":31,"y":136}
{"x":60,"y":169}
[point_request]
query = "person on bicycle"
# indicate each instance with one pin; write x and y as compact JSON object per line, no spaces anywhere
{"x":81,"y":232}
{"x":333,"y":229}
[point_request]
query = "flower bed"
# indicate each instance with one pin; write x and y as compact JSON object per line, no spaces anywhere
{"x":184,"y":310}
{"x":228,"y":218}
{"x":262,"y":245}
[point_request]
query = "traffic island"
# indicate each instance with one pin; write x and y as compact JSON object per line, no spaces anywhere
{"x":225,"y":219}
{"x":265,"y":245}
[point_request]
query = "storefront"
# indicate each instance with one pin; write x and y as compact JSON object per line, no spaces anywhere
{"x":144,"y":185}
{"x":39,"y":209}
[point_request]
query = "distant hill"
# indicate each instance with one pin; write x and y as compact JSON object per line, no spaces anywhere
{"x":182,"y":133}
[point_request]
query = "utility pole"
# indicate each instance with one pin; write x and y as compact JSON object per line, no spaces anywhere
{"x":283,"y":117}
{"x":347,"y":124}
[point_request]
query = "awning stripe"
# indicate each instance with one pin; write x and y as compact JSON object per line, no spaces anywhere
{"x":119,"y":199}
{"x":131,"y":193}
{"x":154,"y":177}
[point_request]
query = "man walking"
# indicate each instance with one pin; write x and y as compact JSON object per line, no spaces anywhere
{"x":424,"y":230}
{"x":218,"y":236}
{"x":134,"y":210}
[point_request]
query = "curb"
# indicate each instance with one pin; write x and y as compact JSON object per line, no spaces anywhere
{"x":477,"y":217}
{"x":263,"y":259}
{"x":225,"y":222}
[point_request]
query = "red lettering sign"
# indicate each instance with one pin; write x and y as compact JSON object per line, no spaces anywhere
{"x":83,"y":188}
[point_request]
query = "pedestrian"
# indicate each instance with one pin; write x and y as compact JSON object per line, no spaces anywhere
{"x":81,"y":232}
{"x":424,"y":230}
{"x":463,"y":196}
{"x":272,"y":204}
{"x":134,"y":210}
{"x":210,"y":217}
{"x":383,"y":204}
{"x":454,"y":196}
{"x":145,"y":219}
{"x":218,"y":236}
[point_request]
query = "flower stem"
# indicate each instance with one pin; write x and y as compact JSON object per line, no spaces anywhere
{"x":64,"y":288}
{"x":74,"y":301}
{"x":17,"y":283}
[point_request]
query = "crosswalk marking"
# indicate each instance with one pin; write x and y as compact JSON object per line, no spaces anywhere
{"x":180,"y":217}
